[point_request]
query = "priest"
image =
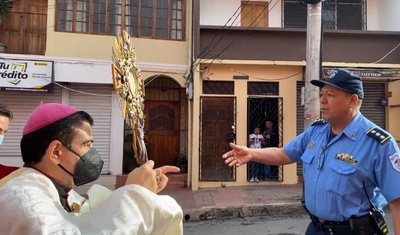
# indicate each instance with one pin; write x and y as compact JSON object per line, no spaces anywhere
{"x":58,"y":154}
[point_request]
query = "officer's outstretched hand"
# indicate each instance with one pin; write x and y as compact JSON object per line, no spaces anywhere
{"x":238,"y":156}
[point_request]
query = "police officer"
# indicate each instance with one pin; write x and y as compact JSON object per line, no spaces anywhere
{"x":346,"y":158}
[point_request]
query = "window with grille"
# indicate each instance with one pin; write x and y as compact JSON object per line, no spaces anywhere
{"x":158,"y":19}
{"x":218,"y":87}
{"x":337,"y":14}
{"x":263,"y":88}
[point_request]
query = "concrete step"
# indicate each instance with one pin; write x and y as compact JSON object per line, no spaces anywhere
{"x":176,"y":185}
{"x":180,"y":177}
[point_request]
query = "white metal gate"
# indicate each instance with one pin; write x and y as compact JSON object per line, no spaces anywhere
{"x":22,"y":104}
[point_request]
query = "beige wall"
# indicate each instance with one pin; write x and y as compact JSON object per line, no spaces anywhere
{"x":285,"y":75}
{"x":99,"y":47}
{"x":394,"y":110}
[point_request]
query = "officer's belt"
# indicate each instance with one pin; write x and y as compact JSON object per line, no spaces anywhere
{"x":343,"y":227}
{"x":326,"y":223}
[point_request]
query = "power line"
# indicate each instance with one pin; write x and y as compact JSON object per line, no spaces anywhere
{"x":259,"y":78}
{"x":220,"y":30}
{"x":386,"y":54}
{"x":239,"y":37}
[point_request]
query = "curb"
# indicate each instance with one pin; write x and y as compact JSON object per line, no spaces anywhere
{"x":284,"y":209}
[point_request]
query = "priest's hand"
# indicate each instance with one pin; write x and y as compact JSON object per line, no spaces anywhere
{"x":162,"y":177}
{"x":154,"y":180}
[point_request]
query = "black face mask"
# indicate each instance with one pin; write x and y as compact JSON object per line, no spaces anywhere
{"x":88,"y":168}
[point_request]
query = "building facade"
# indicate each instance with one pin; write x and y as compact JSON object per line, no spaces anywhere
{"x":73,"y":38}
{"x":250,"y":68}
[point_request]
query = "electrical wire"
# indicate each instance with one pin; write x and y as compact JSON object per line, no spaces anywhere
{"x":240,"y":36}
{"x":220,"y":30}
{"x":259,"y":78}
{"x":387,"y":54}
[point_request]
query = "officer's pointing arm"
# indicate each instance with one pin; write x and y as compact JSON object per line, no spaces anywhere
{"x":270,"y":156}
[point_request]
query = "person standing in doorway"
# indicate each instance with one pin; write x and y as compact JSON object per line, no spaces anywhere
{"x":256,"y":140}
{"x":271,"y":139}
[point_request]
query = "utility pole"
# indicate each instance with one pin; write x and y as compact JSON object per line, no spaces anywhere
{"x":313,"y":62}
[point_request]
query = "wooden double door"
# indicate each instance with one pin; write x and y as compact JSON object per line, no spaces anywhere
{"x":162,"y":131}
{"x":24,"y":31}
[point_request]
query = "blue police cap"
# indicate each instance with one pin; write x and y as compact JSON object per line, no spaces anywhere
{"x":343,"y":80}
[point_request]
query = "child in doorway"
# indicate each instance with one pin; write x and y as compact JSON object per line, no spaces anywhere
{"x":256,"y":140}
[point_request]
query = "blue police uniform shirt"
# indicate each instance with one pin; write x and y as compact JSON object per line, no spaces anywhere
{"x":334,"y":171}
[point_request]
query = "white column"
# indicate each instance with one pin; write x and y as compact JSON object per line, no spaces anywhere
{"x":64,"y":95}
{"x":117,"y":137}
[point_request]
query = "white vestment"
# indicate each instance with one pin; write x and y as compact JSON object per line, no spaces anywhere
{"x":30,"y":204}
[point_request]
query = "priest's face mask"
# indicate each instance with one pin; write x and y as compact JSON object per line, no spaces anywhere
{"x":89,"y":165}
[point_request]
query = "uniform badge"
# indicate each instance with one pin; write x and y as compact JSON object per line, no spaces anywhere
{"x":347,"y":158}
{"x":395,"y":160}
{"x":311,"y":145}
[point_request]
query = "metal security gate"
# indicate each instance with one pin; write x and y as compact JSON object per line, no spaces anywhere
{"x":299,"y":119}
{"x":261,"y":110}
{"x":96,"y":100}
{"x":22,"y":104}
{"x":371,"y":108}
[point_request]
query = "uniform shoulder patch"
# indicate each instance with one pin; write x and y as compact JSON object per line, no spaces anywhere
{"x":378,"y":135}
{"x":319,"y":121}
{"x":395,"y":160}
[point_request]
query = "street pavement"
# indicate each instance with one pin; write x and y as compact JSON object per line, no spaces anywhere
{"x":255,"y":209}
{"x":239,"y":202}
{"x":257,"y":225}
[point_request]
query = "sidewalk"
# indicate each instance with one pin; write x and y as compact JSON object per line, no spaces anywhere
{"x":243,"y":201}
